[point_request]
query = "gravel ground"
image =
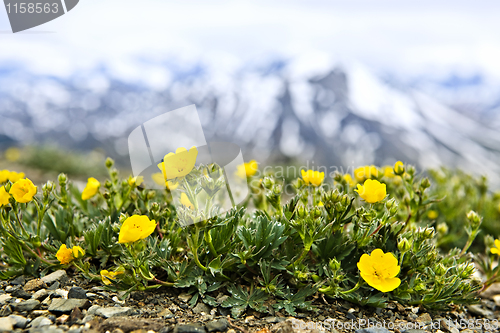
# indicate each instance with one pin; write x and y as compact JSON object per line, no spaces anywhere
{"x":60,"y":303}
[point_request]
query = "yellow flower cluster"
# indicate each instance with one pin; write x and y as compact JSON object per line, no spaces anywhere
{"x":13,"y":176}
{"x":365,"y":172}
{"x":65,"y":255}
{"x":379,"y":270}
{"x":314,"y":178}
{"x":247,"y":169}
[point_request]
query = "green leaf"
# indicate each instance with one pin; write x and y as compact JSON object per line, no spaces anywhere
{"x":241,"y":299}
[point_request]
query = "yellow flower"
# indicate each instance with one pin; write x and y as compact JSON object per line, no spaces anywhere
{"x":389,"y":171}
{"x":178,"y":164}
{"x":349,"y":180}
{"x":247,"y":169}
{"x":135,"y":181}
{"x":185,"y":201}
{"x":106,"y":275}
{"x":372,"y":191}
{"x":12,"y":154}
{"x":64,"y":255}
{"x":365,"y":172}
{"x":23,"y":190}
{"x":77,"y":252}
{"x":379,"y":270}
{"x":399,"y":168}
{"x":312,"y":177}
{"x":496,"y":249}
{"x":4,"y":197}
{"x":136,"y":227}
{"x":4,"y":176}
{"x":15,"y":176}
{"x":432,"y":214}
{"x":158,"y":179}
{"x":91,"y":189}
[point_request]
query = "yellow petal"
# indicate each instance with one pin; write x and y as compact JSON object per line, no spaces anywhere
{"x":389,"y":285}
{"x":365,"y":265}
{"x":185,"y":201}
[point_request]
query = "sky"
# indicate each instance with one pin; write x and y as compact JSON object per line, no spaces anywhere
{"x":407,"y":38}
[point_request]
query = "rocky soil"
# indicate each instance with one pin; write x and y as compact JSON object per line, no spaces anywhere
{"x":60,"y":303}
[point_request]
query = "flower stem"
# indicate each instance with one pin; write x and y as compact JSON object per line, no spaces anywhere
{"x":208,"y":239}
{"x":197,"y":261}
{"x":19,"y":221}
{"x":356,"y":287}
{"x":306,"y":250}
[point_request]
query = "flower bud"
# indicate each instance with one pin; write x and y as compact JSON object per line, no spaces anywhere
{"x":277,"y":189}
{"x":466,"y":270}
{"x":345,"y":200}
{"x":393,"y":210}
{"x":315,"y":278}
{"x":428,"y":232}
{"x":335,"y":195}
{"x":114,"y":173}
{"x":108,"y":185}
{"x":106,"y":195}
{"x":404,"y":245}
{"x":411,"y":170}
{"x":489,"y":241}
{"x":399,"y":168}
{"x":8,"y":186}
{"x":425,"y":183}
{"x":406,"y":200}
{"x":474,"y":219}
{"x":155,"y":207}
{"x":390,"y":203}
{"x":334,"y":265}
{"x":301,"y":211}
{"x":268,"y":182}
{"x":62,"y":178}
{"x":109,"y":162}
{"x":150,"y":195}
{"x":316,"y":213}
{"x":49,"y":186}
{"x":442,"y":228}
{"x":337,"y":176}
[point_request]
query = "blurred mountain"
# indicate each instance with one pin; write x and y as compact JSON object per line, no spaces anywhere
{"x":342,"y":116}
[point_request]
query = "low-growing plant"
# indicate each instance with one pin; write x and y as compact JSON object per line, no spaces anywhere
{"x":368,"y":238}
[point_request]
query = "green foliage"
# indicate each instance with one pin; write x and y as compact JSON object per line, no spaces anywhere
{"x":274,"y":256}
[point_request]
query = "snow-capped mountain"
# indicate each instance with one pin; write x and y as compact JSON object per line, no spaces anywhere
{"x":332,"y":115}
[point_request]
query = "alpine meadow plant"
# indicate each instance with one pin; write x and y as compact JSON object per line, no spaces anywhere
{"x":374,"y":236}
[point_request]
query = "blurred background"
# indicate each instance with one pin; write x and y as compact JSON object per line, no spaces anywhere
{"x":343,"y":83}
